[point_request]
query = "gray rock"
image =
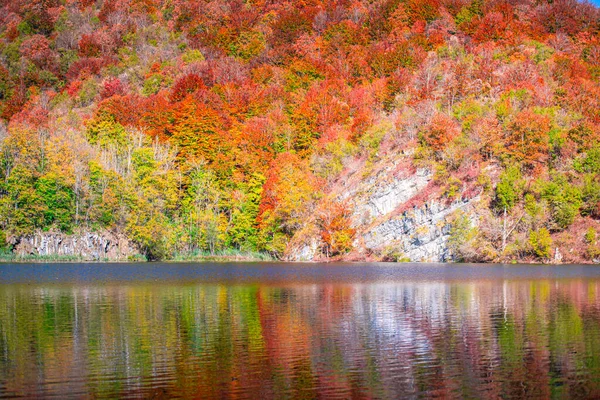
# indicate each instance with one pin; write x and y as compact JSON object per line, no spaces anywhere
{"x":420,"y":234}
{"x":88,"y":246}
{"x":386,"y":198}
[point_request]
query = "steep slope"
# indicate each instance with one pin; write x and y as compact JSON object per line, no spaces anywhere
{"x":395,"y":214}
{"x":386,"y":129}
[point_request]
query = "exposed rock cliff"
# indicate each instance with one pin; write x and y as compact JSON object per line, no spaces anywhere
{"x":391,"y":221}
{"x":419,"y":234}
{"x":87,"y":246}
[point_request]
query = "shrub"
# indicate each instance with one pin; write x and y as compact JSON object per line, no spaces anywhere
{"x":153,"y":235}
{"x":590,"y":235}
{"x":564,"y":200}
{"x":4,"y":246}
{"x":593,"y":250}
{"x":509,"y":189}
{"x":532,"y":206}
{"x":590,"y":162}
{"x":191,"y":56}
{"x":590,"y":196}
{"x":152,"y":84}
{"x":541,"y":243}
{"x":462,"y":238}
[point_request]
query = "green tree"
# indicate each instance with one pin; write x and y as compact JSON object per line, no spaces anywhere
{"x":462,"y":237}
{"x":4,"y":246}
{"x":150,"y":219}
{"x":243,"y":229}
{"x":590,"y":162}
{"x":510,"y":188}
{"x":104,"y":130}
{"x":541,"y":242}
{"x":203,"y":221}
{"x":590,"y":195}
{"x":564,"y":199}
{"x":58,"y":201}
{"x":23,"y":208}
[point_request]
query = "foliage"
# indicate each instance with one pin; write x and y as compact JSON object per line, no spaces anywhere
{"x":440,"y":132}
{"x":462,"y":237}
{"x":334,"y":220}
{"x":541,"y":243}
{"x":4,"y":246}
{"x":509,"y":188}
{"x":289,"y":190}
{"x":58,"y":201}
{"x":152,"y":84}
{"x":591,"y":238}
{"x":196,"y":127}
{"x":590,"y":235}
{"x":564,"y":200}
{"x":528,"y":140}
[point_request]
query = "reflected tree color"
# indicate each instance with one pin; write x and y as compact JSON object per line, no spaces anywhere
{"x":466,"y":339}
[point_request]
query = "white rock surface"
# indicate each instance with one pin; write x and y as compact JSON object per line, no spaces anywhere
{"x":385,"y":198}
{"x":419,"y":234}
{"x":85,"y":245}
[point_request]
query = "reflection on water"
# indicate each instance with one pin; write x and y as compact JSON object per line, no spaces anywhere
{"x":485,"y":338}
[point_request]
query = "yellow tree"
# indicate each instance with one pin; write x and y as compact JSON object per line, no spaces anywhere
{"x":334,"y":220}
{"x":289,"y":193}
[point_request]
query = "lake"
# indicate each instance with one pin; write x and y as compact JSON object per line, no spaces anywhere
{"x":268,"y":330}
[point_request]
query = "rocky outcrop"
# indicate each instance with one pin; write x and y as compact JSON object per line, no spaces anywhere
{"x":88,"y":246}
{"x":385,"y":197}
{"x":383,"y":230}
{"x":420,"y":234}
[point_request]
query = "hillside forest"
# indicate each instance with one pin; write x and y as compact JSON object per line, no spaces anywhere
{"x":200,"y":126}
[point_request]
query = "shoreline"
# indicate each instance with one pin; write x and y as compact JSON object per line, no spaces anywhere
{"x":252,"y":259}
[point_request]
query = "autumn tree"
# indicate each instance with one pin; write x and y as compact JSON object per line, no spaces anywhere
{"x":289,"y":192}
{"x":527,"y":140}
{"x":441,"y":131}
{"x":335,"y":224}
{"x":197,"y":131}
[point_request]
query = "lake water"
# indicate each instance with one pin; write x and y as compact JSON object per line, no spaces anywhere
{"x":299,"y":331}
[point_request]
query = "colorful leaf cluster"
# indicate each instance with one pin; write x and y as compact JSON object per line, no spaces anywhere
{"x":199,"y":125}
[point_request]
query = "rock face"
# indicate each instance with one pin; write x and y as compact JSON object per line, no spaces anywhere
{"x":88,"y":246}
{"x":418,"y":234}
{"x":386,"y":197}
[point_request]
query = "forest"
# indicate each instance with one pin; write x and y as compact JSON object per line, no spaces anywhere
{"x":202,"y":126}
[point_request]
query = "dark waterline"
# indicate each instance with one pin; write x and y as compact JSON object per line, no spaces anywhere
{"x":272,"y":330}
{"x":273,"y":272}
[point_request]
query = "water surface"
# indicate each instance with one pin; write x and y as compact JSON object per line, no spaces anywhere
{"x":299,"y":331}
